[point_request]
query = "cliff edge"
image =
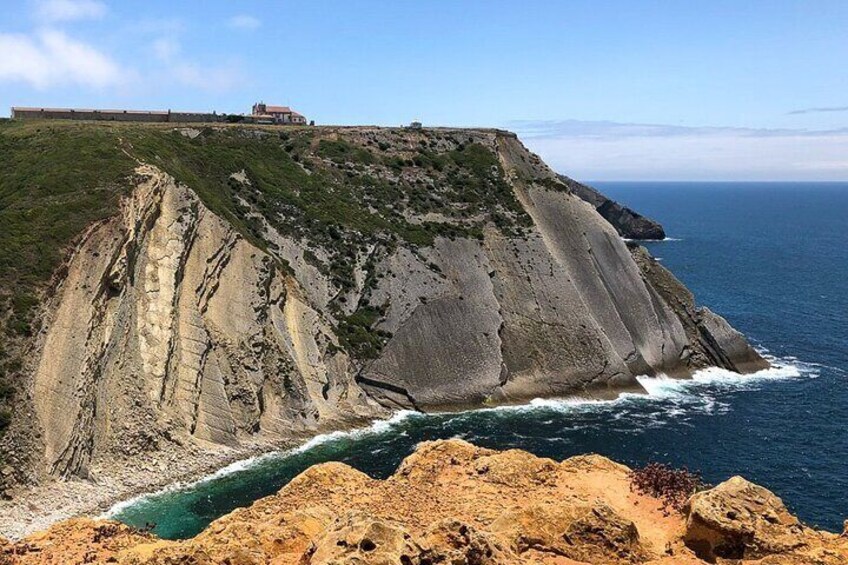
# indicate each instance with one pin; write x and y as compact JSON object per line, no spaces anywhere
{"x":225,"y":288}
{"x":628,"y":223}
{"x":451,"y":502}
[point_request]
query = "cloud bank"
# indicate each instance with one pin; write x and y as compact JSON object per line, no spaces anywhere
{"x":820,"y":110}
{"x":49,"y":58}
{"x":597,"y":150}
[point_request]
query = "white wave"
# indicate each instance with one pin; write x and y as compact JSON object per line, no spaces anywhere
{"x":662,"y":387}
{"x":680,"y":395}
{"x":651,"y":240}
{"x":376,"y":427}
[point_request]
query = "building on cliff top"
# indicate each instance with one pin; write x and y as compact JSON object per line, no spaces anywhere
{"x":24,"y":113}
{"x":263,"y":113}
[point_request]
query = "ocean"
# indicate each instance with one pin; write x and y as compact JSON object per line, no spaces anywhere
{"x":770,"y":257}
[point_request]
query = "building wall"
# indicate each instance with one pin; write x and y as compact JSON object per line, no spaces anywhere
{"x":113,"y":115}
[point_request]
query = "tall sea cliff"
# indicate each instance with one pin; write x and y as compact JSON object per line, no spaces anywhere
{"x":204,"y":289}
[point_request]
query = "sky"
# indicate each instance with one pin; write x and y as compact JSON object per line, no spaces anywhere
{"x":602,"y":90}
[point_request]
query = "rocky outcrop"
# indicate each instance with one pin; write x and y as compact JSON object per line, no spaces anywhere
{"x":741,"y":520}
{"x":712,"y":341}
{"x":175,"y":325}
{"x":451,"y":502}
{"x":629,"y":224}
{"x":170,"y":326}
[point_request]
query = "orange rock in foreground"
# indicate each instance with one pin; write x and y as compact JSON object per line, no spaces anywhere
{"x":453,"y":503}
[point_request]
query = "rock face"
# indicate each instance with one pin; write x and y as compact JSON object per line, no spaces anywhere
{"x":451,"y":502}
{"x":174,"y":325}
{"x":740,"y":520}
{"x":627,"y":223}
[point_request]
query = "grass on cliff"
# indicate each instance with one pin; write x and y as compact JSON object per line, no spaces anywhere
{"x":54,"y":181}
{"x":343,"y":194}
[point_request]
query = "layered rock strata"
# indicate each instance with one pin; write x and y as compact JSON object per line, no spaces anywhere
{"x":173,"y":326}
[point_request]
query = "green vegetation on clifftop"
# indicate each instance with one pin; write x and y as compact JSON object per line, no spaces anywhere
{"x":345,"y":191}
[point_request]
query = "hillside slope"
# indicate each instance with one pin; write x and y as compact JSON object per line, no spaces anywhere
{"x":220,"y":286}
{"x":451,"y":502}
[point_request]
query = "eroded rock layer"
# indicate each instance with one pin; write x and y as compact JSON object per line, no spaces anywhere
{"x":451,"y":502}
{"x":174,"y":324}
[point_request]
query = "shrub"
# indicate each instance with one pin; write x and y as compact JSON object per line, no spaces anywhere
{"x":672,"y":486}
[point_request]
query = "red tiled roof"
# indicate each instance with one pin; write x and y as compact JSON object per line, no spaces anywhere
{"x":278,"y":109}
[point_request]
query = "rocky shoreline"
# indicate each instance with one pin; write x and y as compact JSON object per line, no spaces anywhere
{"x":227,"y":306}
{"x":452,"y":502}
{"x":34,"y":508}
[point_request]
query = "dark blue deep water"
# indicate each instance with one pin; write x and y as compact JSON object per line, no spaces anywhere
{"x":770,"y":257}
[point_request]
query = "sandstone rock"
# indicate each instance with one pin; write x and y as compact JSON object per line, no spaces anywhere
{"x":453,"y":541}
{"x":454,"y":503}
{"x":79,"y":540}
{"x":365,"y":540}
{"x":591,"y":533}
{"x":740,"y":520}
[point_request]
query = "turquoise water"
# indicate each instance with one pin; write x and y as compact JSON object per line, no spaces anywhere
{"x":770,"y":257}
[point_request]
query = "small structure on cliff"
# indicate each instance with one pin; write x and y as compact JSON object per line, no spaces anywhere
{"x":263,"y":113}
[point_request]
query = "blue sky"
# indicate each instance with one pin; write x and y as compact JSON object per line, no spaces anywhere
{"x":602,"y":90}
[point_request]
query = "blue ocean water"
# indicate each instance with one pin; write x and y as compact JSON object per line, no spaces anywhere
{"x":770,"y":257}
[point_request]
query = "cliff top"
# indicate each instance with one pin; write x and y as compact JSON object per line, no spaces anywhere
{"x":451,"y":502}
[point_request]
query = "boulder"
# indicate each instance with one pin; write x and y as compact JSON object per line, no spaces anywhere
{"x":741,"y":520}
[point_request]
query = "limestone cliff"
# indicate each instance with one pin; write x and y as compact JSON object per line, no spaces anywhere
{"x":256,"y":285}
{"x":450,"y":502}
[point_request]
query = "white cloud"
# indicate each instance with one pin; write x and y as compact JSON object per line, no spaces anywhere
{"x":180,"y":70}
{"x":621,"y":151}
{"x":50,"y":58}
{"x":214,"y":79}
{"x":244,"y":21}
{"x":69,"y":10}
{"x":166,"y":49}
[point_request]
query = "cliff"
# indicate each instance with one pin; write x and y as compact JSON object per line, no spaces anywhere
{"x":628,"y":223}
{"x":215,"y":289}
{"x":451,"y":502}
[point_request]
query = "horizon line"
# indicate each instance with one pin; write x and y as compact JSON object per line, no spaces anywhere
{"x":749,"y":181}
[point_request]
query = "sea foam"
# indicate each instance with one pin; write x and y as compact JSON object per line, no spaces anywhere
{"x":672,"y":397}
